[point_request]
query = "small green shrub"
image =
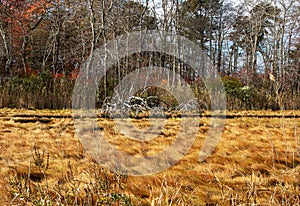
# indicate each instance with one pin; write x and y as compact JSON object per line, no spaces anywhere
{"x":232,"y":86}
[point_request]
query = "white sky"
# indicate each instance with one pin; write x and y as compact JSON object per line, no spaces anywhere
{"x":157,"y":4}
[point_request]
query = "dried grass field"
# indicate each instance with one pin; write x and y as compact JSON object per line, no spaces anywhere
{"x":257,"y":162}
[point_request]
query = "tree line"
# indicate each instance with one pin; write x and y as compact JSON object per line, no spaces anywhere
{"x":255,"y":47}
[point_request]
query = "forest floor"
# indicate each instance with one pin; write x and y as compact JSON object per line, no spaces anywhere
{"x":257,"y":162}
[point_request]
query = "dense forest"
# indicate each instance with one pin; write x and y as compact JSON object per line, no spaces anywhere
{"x":254,"y":46}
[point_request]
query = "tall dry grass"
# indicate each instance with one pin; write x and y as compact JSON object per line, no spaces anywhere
{"x":257,"y":162}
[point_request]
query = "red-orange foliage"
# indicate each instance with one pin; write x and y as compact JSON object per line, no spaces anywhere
{"x":22,"y":16}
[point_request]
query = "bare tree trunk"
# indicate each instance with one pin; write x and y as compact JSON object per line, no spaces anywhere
{"x":7,"y":44}
{"x":220,"y":41}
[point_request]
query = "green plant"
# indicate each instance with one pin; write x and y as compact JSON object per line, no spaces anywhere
{"x":232,"y":86}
